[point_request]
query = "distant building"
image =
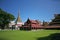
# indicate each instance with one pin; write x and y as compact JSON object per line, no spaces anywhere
{"x":31,"y":24}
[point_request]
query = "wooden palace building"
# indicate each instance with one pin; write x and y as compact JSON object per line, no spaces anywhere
{"x":31,"y":24}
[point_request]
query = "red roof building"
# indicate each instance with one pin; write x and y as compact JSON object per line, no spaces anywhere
{"x":31,"y":24}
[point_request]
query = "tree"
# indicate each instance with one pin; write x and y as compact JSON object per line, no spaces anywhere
{"x":5,"y":18}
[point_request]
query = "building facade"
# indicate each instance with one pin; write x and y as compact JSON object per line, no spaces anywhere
{"x":31,"y":24}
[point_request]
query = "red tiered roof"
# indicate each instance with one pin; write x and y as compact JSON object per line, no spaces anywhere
{"x":32,"y":23}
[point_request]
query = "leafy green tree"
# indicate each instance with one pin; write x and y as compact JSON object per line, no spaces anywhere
{"x":5,"y":19}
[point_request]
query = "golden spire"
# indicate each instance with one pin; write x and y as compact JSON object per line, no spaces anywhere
{"x":18,"y":18}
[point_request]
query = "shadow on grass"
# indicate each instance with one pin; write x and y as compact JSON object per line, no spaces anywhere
{"x":55,"y":36}
{"x":3,"y":39}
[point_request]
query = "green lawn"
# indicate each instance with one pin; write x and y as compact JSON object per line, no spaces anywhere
{"x":25,"y":35}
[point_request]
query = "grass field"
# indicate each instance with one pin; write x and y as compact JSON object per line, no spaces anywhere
{"x":25,"y":35}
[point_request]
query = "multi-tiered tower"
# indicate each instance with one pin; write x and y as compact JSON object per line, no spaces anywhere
{"x":56,"y":20}
{"x":18,"y":21}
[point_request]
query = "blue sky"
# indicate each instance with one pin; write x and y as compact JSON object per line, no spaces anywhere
{"x":33,"y":9}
